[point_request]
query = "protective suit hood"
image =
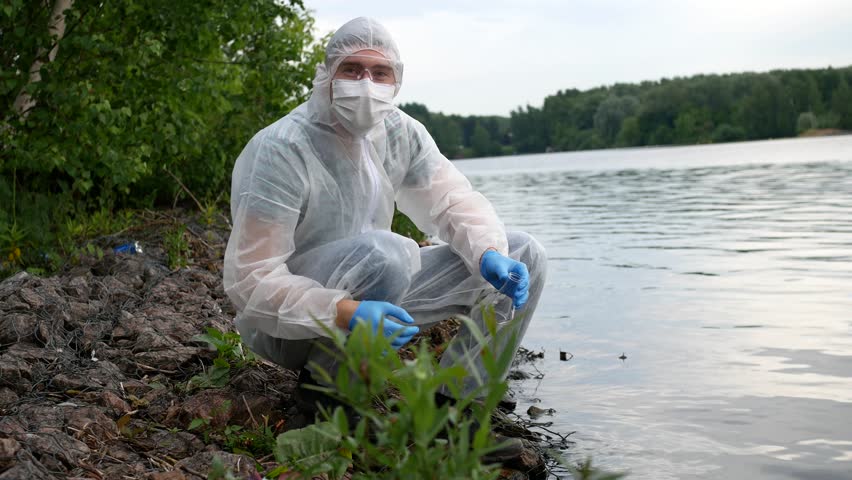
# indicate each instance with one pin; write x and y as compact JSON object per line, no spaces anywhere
{"x":361,"y":33}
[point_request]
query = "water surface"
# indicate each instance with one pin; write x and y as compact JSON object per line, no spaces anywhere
{"x":724,"y":275}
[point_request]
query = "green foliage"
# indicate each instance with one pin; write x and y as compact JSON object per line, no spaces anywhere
{"x":314,"y":450}
{"x":404,"y":226}
{"x":806,"y":121}
{"x":12,"y":242}
{"x":841,"y":102}
{"x":256,"y":442}
{"x":698,"y":109}
{"x":177,"y":247}
{"x":403,"y":435}
{"x":231,"y":356}
{"x":134,"y":91}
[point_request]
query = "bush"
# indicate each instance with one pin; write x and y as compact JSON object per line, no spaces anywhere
{"x":401,"y":433}
{"x":142,"y":95}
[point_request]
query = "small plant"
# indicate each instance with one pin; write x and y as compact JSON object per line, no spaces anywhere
{"x":177,"y":247}
{"x":12,"y":238}
{"x":231,"y":355}
{"x":257,"y":442}
{"x":209,"y":211}
{"x":398,"y":431}
{"x":203,"y":423}
{"x":403,"y":225}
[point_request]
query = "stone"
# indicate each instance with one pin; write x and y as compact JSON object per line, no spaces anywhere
{"x":114,"y":403}
{"x":17,"y":327}
{"x":8,"y":397}
{"x":530,"y":463}
{"x":29,"y":470}
{"x":216,"y":405}
{"x":174,"y":444}
{"x":60,"y":446}
{"x":8,"y":450}
{"x":167,"y":360}
{"x":89,"y":423}
{"x":78,"y":287}
{"x":13,"y":371}
{"x":33,"y":299}
{"x":172,"y":475}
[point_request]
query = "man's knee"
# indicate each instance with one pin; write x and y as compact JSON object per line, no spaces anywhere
{"x":525,"y":248}
{"x":387,"y":262}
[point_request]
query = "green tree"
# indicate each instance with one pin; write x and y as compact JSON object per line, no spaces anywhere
{"x":806,"y":121}
{"x":693,"y":126}
{"x":447,"y":134}
{"x":629,"y":135}
{"x":139,"y":88}
{"x":610,"y":114}
{"x":481,"y":142}
{"x":841,"y":104}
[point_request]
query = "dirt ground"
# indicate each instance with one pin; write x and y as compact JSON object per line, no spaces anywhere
{"x":94,"y":365}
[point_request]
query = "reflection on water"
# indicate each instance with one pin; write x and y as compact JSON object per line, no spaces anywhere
{"x":723,"y":273}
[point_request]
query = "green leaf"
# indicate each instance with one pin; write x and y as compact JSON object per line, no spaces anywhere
{"x":313,"y":450}
{"x":197,"y":422}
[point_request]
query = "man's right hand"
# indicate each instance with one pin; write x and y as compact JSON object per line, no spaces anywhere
{"x":372,"y":313}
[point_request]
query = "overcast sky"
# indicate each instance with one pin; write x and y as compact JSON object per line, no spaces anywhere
{"x":490,"y":57}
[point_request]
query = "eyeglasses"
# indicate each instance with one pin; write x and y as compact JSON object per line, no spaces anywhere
{"x":353,"y":70}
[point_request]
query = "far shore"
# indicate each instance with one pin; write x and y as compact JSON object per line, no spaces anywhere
{"x":824,"y":132}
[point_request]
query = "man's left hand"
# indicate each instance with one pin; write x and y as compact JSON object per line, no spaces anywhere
{"x":495,"y":268}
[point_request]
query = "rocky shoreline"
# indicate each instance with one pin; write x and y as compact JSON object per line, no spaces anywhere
{"x":95,"y":363}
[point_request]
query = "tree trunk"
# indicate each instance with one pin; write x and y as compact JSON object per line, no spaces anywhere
{"x":24,"y":102}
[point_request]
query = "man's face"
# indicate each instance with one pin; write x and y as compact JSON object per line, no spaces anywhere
{"x":366,"y":64}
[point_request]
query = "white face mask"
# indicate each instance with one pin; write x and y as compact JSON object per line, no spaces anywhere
{"x":360,"y":105}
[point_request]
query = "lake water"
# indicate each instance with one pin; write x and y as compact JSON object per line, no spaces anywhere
{"x":724,"y":275}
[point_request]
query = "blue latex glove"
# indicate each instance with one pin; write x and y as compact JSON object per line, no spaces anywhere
{"x":495,"y":268}
{"x":373,"y":312}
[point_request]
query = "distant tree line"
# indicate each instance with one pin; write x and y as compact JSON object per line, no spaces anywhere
{"x":678,"y":111}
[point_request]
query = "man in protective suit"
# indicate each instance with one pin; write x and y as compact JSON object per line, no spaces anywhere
{"x":312,"y":200}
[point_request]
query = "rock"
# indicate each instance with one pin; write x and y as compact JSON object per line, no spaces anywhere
{"x":32,"y":298}
{"x":17,"y":327}
{"x":535,"y":412}
{"x":57,"y":445}
{"x":8,"y":450}
{"x":518,"y":375}
{"x":125,"y":470}
{"x":65,"y":382}
{"x":174,"y":444}
{"x":14,"y":283}
{"x":135,"y":387}
{"x":529,"y":463}
{"x":8,"y":397}
{"x":241,"y":465}
{"x":509,"y":474}
{"x":167,"y":360}
{"x":28,"y":469}
{"x":90,"y":424}
{"x":78,"y":287}
{"x":15,"y":372}
{"x":11,"y":426}
{"x":32,"y":353}
{"x":151,"y":340}
{"x":101,"y":374}
{"x":173,"y":475}
{"x":114,"y":403}
{"x":507,"y":403}
{"x":216,"y":405}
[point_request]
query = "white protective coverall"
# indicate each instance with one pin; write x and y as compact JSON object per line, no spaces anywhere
{"x":312,"y":207}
